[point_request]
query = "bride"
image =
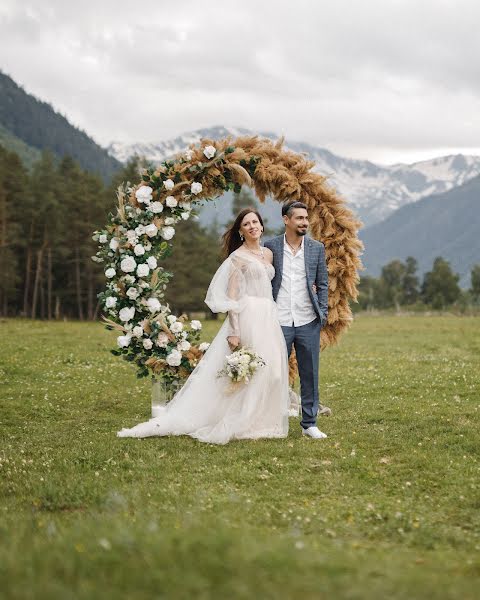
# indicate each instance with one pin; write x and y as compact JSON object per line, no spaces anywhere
{"x":206,"y":408}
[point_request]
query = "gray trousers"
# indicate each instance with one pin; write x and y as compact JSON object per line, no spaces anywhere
{"x":306,"y":340}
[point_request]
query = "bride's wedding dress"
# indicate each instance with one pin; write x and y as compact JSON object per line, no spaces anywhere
{"x":206,"y":408}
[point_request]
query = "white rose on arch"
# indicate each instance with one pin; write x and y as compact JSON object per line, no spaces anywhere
{"x":152,"y":262}
{"x":103,"y":238}
{"x":171,"y":319}
{"x":144,"y":194}
{"x":153,"y":305}
{"x":167,"y":233}
{"x":168,"y":184}
{"x":209,"y":151}
{"x":156,"y":207}
{"x":147,"y":344}
{"x":110,"y":302}
{"x":109,"y":273}
{"x":162,"y":340}
{"x":204,"y":346}
{"x":132,"y":293}
{"x":139,"y":230}
{"x":185,"y":216}
{"x":195,"y":325}
{"x":137,"y":331}
{"x":174,"y":358}
{"x":189,"y":154}
{"x":143,"y":270}
{"x":128,"y":264}
{"x":113,"y":244}
{"x":139,"y":250}
{"x":151,"y":230}
{"x":123,"y":341}
{"x":126,"y":313}
{"x":169,"y":221}
{"x":196,"y":187}
{"x":184,"y":346}
{"x":176,"y":327}
{"x":171,"y":201}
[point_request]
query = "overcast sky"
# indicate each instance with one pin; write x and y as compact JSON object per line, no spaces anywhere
{"x":387,"y":80}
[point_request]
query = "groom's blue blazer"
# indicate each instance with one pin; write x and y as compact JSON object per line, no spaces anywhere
{"x":315,"y":269}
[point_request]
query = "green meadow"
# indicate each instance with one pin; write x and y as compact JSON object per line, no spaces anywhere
{"x":387,"y":507}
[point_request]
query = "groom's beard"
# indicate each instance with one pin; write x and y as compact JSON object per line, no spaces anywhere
{"x":301,"y":232}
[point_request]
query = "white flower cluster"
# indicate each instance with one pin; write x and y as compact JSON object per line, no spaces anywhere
{"x":241,"y":365}
{"x":130,"y":247}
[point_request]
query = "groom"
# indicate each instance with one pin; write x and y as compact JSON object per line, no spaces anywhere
{"x":300,"y":289}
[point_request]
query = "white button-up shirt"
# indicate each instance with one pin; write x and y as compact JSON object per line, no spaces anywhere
{"x":293,"y":301}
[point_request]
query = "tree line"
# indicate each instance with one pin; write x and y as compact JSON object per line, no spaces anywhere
{"x":47,"y":217}
{"x":400,"y":286}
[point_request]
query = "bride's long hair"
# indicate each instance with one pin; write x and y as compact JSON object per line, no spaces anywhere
{"x":231,"y":238}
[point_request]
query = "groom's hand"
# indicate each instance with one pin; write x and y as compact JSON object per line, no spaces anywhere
{"x":233,"y":341}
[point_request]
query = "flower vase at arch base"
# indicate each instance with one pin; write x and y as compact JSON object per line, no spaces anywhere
{"x":162,"y":392}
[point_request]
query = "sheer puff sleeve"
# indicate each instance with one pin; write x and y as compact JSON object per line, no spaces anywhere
{"x":227,"y":292}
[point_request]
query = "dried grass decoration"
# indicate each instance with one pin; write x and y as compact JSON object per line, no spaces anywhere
{"x":139,"y":235}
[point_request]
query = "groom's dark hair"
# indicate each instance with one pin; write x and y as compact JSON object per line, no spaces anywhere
{"x":288,"y":207}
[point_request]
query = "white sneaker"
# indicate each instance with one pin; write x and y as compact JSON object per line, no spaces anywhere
{"x":314,"y":432}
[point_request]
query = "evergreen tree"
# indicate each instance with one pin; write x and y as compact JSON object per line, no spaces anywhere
{"x":440,"y":285}
{"x":410,"y":283}
{"x":393,"y":275}
{"x":475,"y":289}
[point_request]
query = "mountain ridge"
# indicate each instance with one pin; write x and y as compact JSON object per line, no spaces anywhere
{"x":373,"y":191}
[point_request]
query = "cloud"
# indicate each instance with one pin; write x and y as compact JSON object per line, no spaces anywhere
{"x":369,"y":79}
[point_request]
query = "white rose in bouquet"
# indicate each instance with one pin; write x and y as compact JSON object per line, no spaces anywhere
{"x":147,"y":344}
{"x":169,"y":221}
{"x":152,"y":262}
{"x":123,"y":341}
{"x":204,"y":346}
{"x":126,"y":313}
{"x":137,"y":331}
{"x":132,"y":293}
{"x":171,"y":319}
{"x":139,"y":250}
{"x":209,"y":151}
{"x":176,"y":327}
{"x":167,"y":233}
{"x":184,"y":346}
{"x":140,"y":229}
{"x":113,"y":244}
{"x":156,"y":207}
{"x":144,"y":194}
{"x":174,"y":358}
{"x":171,"y":201}
{"x":110,"y":302}
{"x":162,"y":340}
{"x":109,"y":273}
{"x":103,"y":238}
{"x":196,"y":187}
{"x":151,"y":230}
{"x":153,"y":305}
{"x":168,"y":184}
{"x":143,"y":270}
{"x":195,"y":325}
{"x":128,"y":264}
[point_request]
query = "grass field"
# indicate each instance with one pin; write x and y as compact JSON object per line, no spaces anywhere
{"x":387,"y":507}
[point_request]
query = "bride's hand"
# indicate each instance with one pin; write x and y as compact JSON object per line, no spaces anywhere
{"x":233,"y":341}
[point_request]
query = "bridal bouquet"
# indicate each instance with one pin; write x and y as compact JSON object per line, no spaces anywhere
{"x":241,"y":365}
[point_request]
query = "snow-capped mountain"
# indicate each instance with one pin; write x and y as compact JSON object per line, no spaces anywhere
{"x":373,"y":191}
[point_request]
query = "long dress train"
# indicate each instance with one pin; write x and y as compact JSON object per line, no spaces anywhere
{"x":206,"y":408}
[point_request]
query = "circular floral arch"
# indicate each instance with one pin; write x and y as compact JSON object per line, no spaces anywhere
{"x":140,"y":234}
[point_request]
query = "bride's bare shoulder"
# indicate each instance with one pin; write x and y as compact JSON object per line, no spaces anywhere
{"x":268,"y":254}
